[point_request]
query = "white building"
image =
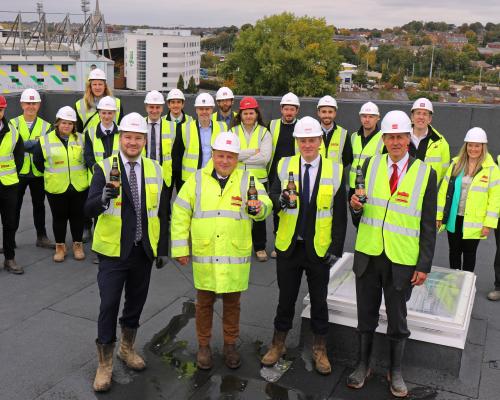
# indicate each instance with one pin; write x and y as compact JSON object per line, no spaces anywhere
{"x":154,"y":58}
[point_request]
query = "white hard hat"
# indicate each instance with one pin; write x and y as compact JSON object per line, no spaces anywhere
{"x":154,"y":97}
{"x":327,"y":101}
{"x":307,"y":127}
{"x":175,"y":94}
{"x":133,"y":122}
{"x":107,"y":103}
{"x":66,"y":113}
{"x":396,"y":122}
{"x":97,"y":73}
{"x":423,"y":104}
{"x":369,"y":109}
{"x":30,"y":96}
{"x":290,"y":99}
{"x":224,"y":93}
{"x":476,"y":135}
{"x":204,"y":100}
{"x":227,"y":141}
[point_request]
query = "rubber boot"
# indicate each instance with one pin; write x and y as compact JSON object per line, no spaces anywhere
{"x":231,"y":356}
{"x":320,"y":356}
{"x":357,"y":378}
{"x":127,"y":352}
{"x":13,"y":267}
{"x":277,"y":349}
{"x":102,"y":381}
{"x":60,"y":253}
{"x":78,"y":253}
{"x":204,"y":358}
{"x":395,"y":376}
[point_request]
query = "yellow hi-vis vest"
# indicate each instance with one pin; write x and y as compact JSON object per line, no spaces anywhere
{"x":219,"y":227}
{"x":39,"y":128}
{"x":274,"y":129}
{"x":63,"y":166}
{"x":255,"y":140}
{"x":92,"y":114}
{"x":438,"y":155}
{"x":336,"y":146}
{"x":167,"y":135}
{"x":330,"y":180}
{"x":392,"y":223}
{"x":483,"y":199}
{"x":360,"y":153}
{"x":8,"y":171}
{"x":192,"y":146}
{"x":215,"y":116}
{"x":108,"y":229}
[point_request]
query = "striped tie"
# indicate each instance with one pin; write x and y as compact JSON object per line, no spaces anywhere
{"x":137,"y":202}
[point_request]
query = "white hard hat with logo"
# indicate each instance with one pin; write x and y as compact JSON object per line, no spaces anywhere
{"x":154,"y":97}
{"x":290,"y":99}
{"x":476,"y":135}
{"x":423,"y":104}
{"x":175,"y":94}
{"x":30,"y":96}
{"x":396,"y":122}
{"x":97,"y":73}
{"x":369,"y":109}
{"x":307,"y":127}
{"x":133,"y":122}
{"x":67,"y":113}
{"x":224,"y":93}
{"x":204,"y":100}
{"x":107,"y":103}
{"x":227,"y":141}
{"x":327,"y":101}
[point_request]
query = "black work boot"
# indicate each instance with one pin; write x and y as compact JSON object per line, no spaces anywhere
{"x":357,"y":378}
{"x":395,"y":376}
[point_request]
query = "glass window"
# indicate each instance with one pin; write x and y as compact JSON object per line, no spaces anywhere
{"x":39,"y":68}
{"x":64,"y":67}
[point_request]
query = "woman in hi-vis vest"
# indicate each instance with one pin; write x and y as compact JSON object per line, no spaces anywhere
{"x":469,"y":199}
{"x":59,"y":154}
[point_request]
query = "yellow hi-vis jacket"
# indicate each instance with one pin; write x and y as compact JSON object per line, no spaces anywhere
{"x":219,"y":227}
{"x":438,"y":155}
{"x":359,"y":153}
{"x":39,"y":128}
{"x":90,"y":117}
{"x":8,"y":171}
{"x":192,"y":145}
{"x":274,"y":129}
{"x":63,"y":166}
{"x":329,"y":183}
{"x":108,"y":229}
{"x":483,"y":199}
{"x":391,"y":223}
{"x":336,"y":146}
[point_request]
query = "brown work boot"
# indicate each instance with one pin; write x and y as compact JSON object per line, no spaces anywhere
{"x":320,"y":356}
{"x":204,"y":358}
{"x":44,"y":242}
{"x":102,"y":381}
{"x":261,"y":255}
{"x":12,"y":267}
{"x":127,"y":352}
{"x":276,"y":351}
{"x":78,"y":253}
{"x":231,"y":356}
{"x":60,"y":252}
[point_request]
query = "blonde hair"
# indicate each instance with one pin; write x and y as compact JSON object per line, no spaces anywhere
{"x":88,"y":97}
{"x":463,"y":160}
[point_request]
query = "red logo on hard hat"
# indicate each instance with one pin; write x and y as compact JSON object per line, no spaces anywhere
{"x":32,"y":97}
{"x":395,"y":126}
{"x":422,"y":104}
{"x":229,"y":142}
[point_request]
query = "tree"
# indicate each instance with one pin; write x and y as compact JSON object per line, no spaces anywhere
{"x":360,"y":78}
{"x":397,"y":80}
{"x":284,"y":53}
{"x":192,"y":86}
{"x":209,"y":60}
{"x":244,"y":27}
{"x":180,"y":82}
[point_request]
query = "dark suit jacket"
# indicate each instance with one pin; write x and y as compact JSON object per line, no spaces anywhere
{"x":107,"y":142}
{"x":402,"y":273}
{"x":339,"y":225}
{"x":94,"y":207}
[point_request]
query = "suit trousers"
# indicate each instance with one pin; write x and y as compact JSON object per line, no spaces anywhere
{"x":290,"y":271}
{"x":376,"y":279}
{"x":459,"y":246}
{"x":114,"y":274}
{"x":230,"y":316}
{"x":497,"y":258}
{"x":37,"y":192}
{"x":8,"y":204}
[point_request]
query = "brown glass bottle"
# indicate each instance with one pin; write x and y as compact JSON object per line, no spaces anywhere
{"x":252,"y":197}
{"x":359,"y":185}
{"x":114,"y":174}
{"x":292,"y":191}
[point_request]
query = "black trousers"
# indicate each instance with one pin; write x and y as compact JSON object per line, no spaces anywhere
{"x":497,"y":258}
{"x":462,"y":247}
{"x":134,"y":274}
{"x":67,"y":206}
{"x":8,"y":204}
{"x":259,"y":233}
{"x":376,"y":279}
{"x":37,"y":192}
{"x":289,"y":271}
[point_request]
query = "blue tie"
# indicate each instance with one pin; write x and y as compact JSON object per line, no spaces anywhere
{"x":304,"y":200}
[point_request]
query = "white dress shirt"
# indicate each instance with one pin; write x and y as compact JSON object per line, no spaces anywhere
{"x":416,"y":140}
{"x":402,"y":167}
{"x":108,"y":128}
{"x":313,"y":173}
{"x":137,"y":169}
{"x":157,"y":137}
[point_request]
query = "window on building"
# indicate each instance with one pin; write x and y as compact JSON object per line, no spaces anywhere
{"x":65,"y":79}
{"x":165,"y":84}
{"x":165,"y":74}
{"x":165,"y":54}
{"x":41,"y":80}
{"x":14,"y":68}
{"x":39,"y":68}
{"x":165,"y":65}
{"x":165,"y":44}
{"x":64,"y":67}
{"x":15,"y":80}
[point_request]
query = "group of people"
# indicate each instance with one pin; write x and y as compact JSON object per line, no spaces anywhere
{"x":300,"y":170}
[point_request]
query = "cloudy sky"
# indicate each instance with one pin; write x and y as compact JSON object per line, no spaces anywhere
{"x":209,"y":13}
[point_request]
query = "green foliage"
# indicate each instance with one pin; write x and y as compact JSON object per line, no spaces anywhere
{"x":210,"y":84}
{"x":209,"y":60}
{"x":192,"y":88}
{"x":348,"y":53}
{"x":360,"y":78}
{"x":416,"y":94}
{"x":444,"y":85}
{"x":180,"y":82}
{"x":222,"y":42}
{"x":284,"y":53}
{"x":397,"y":80}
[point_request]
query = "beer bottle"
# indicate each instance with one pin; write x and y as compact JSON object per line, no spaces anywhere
{"x":252,"y":198}
{"x":359,"y":186}
{"x":292,"y":191}
{"x":114,"y":174}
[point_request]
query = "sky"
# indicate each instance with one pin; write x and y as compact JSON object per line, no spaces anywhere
{"x":214,"y":13}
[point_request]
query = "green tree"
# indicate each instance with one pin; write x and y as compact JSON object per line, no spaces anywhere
{"x":192,"y":88}
{"x":209,"y":60}
{"x":398,"y":80}
{"x":284,"y":53}
{"x":385,"y":75}
{"x":360,"y":77}
{"x":180,"y":82}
